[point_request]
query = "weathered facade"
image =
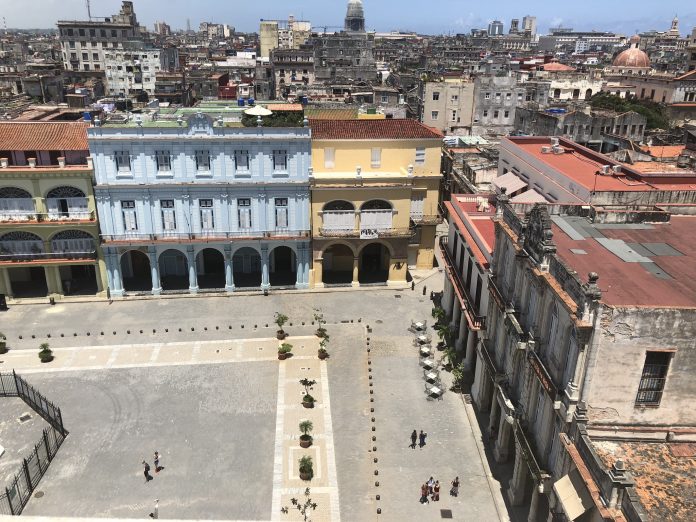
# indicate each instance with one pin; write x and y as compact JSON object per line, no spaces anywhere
{"x":495,"y":101}
{"x":448,"y":105}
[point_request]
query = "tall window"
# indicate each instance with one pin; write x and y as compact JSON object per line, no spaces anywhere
{"x":130,"y":220}
{"x":376,"y":158}
{"x":281,"y":212}
{"x":207,"y":214}
{"x":329,"y":157}
{"x":164,"y":160}
{"x":123,"y":160}
{"x":436,"y":96}
{"x":652,"y":380}
{"x":168,"y":215}
{"x":434,"y":115}
{"x":280,"y":160}
{"x":202,"y":160}
{"x":241,"y":160}
{"x":420,"y":156}
{"x":244,"y":213}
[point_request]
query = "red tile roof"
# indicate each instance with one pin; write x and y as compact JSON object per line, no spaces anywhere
{"x":371,"y":130}
{"x":43,"y":136}
{"x":556,"y":67}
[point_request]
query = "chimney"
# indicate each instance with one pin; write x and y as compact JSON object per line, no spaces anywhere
{"x":4,"y":163}
{"x":61,"y":162}
{"x":32,"y":163}
{"x":90,"y":162}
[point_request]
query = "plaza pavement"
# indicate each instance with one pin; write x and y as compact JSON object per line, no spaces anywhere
{"x":120,"y":392}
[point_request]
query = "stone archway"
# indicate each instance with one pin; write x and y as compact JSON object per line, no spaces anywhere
{"x":282,"y":266}
{"x":337,"y":264}
{"x":173,"y":267}
{"x":135,"y":271}
{"x":247,"y":268}
{"x":374,"y":264}
{"x":210,"y":267}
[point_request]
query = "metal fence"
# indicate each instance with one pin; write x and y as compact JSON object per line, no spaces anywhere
{"x":16,"y":494}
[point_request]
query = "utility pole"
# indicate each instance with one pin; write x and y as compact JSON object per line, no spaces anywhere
{"x":89,"y":11}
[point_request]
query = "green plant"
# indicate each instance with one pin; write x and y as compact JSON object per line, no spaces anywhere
{"x":306,"y":466}
{"x":438,"y":314}
{"x":45,"y":353}
{"x":3,"y":343}
{"x":285,"y":348}
{"x":305,"y":508}
{"x":319,"y":319}
{"x":307,"y":383}
{"x":323,"y":345}
{"x":308,"y":398}
{"x":306,"y":427}
{"x":458,"y":376}
{"x":451,"y":356}
{"x":444,"y":332}
{"x":280,"y":320}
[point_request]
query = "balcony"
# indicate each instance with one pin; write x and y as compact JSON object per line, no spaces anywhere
{"x":25,"y":251}
{"x":495,"y":293}
{"x":476,"y":322}
{"x":204,"y":236}
{"x":423,"y":219}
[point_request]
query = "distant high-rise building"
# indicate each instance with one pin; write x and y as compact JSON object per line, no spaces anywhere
{"x":495,"y":28}
{"x":281,"y":34}
{"x":162,"y":29}
{"x":529,"y":23}
{"x":355,"y":17}
{"x":514,"y":26}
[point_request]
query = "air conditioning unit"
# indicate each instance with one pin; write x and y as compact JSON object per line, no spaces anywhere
{"x":605,"y":170}
{"x":557,"y":150}
{"x":546,"y":150}
{"x":616,"y":169}
{"x":554,"y":142}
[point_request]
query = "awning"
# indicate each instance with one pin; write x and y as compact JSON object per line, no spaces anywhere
{"x":573,"y":495}
{"x":512,"y":183}
{"x":528,"y":196}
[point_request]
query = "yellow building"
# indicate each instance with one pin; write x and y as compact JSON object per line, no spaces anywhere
{"x":49,"y":234}
{"x":374,"y":190}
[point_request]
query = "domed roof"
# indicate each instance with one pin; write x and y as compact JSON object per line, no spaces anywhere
{"x":633,"y":57}
{"x":355,"y":9}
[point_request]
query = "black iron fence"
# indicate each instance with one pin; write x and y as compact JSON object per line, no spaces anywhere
{"x":17,"y":492}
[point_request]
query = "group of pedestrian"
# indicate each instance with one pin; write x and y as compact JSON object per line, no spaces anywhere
{"x":419,"y":438}
{"x":158,"y":468}
{"x":430,"y":490}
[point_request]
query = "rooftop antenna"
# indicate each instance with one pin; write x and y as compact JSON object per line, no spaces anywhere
{"x":89,"y":10}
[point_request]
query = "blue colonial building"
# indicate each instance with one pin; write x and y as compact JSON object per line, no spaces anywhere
{"x":193,"y":203}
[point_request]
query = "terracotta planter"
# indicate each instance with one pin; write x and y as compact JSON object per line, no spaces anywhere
{"x":320,"y":333}
{"x":305,"y":443}
{"x":308,"y":404}
{"x":46,"y":359}
{"x":306,"y":475}
{"x":282,"y":356}
{"x":280,"y":334}
{"x":323,"y":355}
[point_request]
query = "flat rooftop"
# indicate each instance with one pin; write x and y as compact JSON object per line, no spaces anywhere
{"x":474,"y":219}
{"x":582,"y":166}
{"x":638,"y":264}
{"x":663,"y":474}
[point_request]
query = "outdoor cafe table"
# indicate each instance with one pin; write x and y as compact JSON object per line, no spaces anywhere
{"x":425,"y":351}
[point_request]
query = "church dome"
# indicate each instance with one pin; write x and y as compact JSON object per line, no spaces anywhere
{"x":355,"y":9}
{"x":633,"y":57}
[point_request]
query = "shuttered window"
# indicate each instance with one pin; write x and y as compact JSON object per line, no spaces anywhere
{"x":244,"y":213}
{"x":281,"y":212}
{"x":207,"y":214}
{"x":168,"y":215}
{"x":130,"y":221}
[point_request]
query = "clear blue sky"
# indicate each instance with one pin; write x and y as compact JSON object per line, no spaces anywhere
{"x":432,"y":17}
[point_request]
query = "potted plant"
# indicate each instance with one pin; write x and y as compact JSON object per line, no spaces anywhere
{"x":306,"y":427}
{"x":3,"y":343}
{"x":305,"y":508}
{"x":284,"y":351}
{"x":45,"y":354}
{"x":280,"y":320}
{"x":319,"y":319}
{"x":307,"y":399}
{"x":306,"y":468}
{"x":323,"y":352}
{"x":438,"y":314}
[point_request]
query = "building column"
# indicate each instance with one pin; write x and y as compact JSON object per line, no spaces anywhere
{"x":478,"y":385}
{"x":534,"y":504}
{"x":5,"y":282}
{"x":265,"y":279}
{"x":53,"y":282}
{"x":397,"y":274}
{"x":495,"y":408}
{"x":307,"y":264}
{"x":463,"y":333}
{"x":193,"y":276}
{"x":154,"y":269}
{"x":519,"y":479}
{"x":229,"y":270}
{"x":448,"y":297}
{"x":500,"y":451}
{"x":456,"y":313}
{"x":300,"y":262}
{"x":470,"y":357}
{"x":115,"y":278}
{"x":356,"y":271}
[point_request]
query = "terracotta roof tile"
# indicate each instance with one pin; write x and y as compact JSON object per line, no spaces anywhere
{"x":43,"y":136}
{"x":284,"y":106}
{"x":404,"y":129}
{"x":318,"y":113}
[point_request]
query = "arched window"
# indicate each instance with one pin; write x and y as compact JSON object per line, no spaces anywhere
{"x":75,"y":241}
{"x":376,"y":204}
{"x":338,"y":205}
{"x":13,"y":193}
{"x":23,"y":243}
{"x":65,"y":192}
{"x":16,"y":204}
{"x":19,"y":236}
{"x":66,"y":202}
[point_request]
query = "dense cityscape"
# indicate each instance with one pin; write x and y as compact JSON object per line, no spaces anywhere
{"x":326,"y":273}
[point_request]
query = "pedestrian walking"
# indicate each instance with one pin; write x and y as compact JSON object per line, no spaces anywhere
{"x":157,"y":466}
{"x":421,"y":438}
{"x":155,"y":512}
{"x":431,"y":485}
{"x":436,"y":491}
{"x":424,"y":494}
{"x":146,"y":472}
{"x":414,"y":438}
{"x":455,"y":487}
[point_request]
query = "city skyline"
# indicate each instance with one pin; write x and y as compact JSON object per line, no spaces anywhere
{"x":449,"y":18}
